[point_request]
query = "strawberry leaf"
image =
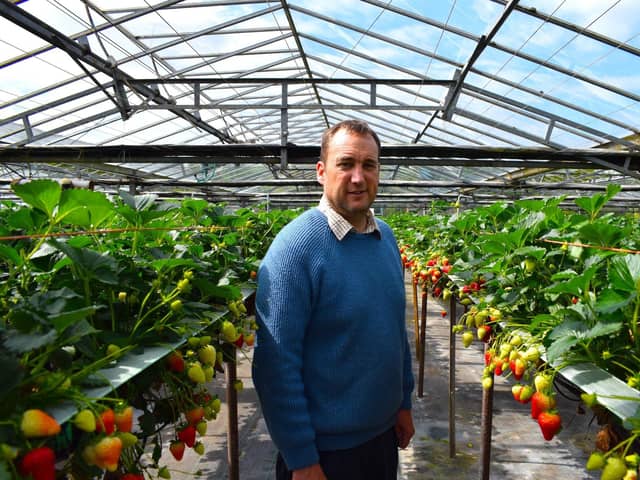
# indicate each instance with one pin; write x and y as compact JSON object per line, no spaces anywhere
{"x":625,"y":273}
{"x":610,"y":301}
{"x":43,"y":195}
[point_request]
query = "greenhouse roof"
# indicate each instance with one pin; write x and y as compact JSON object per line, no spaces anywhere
{"x":474,"y":100}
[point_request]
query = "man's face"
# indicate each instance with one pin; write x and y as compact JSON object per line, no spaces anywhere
{"x":350,"y":175}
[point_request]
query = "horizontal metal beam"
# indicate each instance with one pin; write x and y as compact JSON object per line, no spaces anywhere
{"x":292,"y":106}
{"x":293,"y":81}
{"x":423,"y":155}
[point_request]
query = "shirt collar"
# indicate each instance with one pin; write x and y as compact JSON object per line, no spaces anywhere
{"x":340,"y":226}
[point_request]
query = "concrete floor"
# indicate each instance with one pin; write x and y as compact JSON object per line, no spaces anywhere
{"x":517,"y":449}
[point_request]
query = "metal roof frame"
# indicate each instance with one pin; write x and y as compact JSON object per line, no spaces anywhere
{"x":473,"y":127}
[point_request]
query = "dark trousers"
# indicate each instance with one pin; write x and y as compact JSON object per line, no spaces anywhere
{"x":376,"y":459}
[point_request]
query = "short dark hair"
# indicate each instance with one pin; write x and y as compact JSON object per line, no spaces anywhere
{"x":359,"y":127}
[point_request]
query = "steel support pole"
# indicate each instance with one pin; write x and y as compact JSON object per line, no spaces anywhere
{"x":487,"y":425}
{"x":422,"y":350}
{"x":233,"y":456}
{"x":452,"y":378}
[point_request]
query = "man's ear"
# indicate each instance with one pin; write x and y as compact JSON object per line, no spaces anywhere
{"x":320,"y":172}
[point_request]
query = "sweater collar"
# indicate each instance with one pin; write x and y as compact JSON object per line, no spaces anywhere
{"x":340,"y":226}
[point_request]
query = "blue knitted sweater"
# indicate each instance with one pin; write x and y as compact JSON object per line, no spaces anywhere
{"x":332,"y":364}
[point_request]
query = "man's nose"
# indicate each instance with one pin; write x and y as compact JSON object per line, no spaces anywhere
{"x":357,"y":174}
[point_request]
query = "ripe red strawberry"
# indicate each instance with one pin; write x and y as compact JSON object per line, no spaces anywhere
{"x":175,"y":362}
{"x":516,"y":391}
{"x":541,"y":402}
{"x":132,"y":476}
{"x":39,"y":464}
{"x":488,"y":355}
{"x":107,"y":422}
{"x":177,"y":448}
{"x":239,"y":341}
{"x":107,"y":453}
{"x":188,"y":435}
{"x":194,"y":415}
{"x":443,"y":313}
{"x":517,"y":366}
{"x":124,"y":418}
{"x":36,"y":423}
{"x":550,"y":424}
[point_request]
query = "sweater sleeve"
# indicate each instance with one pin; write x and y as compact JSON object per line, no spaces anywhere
{"x":283,"y":306}
{"x":408,"y":380}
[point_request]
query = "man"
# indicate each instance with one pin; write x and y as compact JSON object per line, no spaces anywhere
{"x":332,"y":365}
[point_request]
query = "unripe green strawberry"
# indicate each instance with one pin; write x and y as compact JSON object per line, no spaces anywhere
{"x":542,"y":382}
{"x":216,"y":403}
{"x":113,"y":350}
{"x":164,"y":472}
{"x":7,"y":452}
{"x":228,"y":331}
{"x":209,"y":373}
{"x":589,"y":399}
{"x":596,"y":461}
{"x":529,"y":265}
{"x":614,"y":469}
{"x":199,"y":448}
{"x":484,"y":333}
{"x":176,"y":305}
{"x":207,"y":355}
{"x":632,"y":460}
{"x":532,"y":354}
{"x":85,"y":420}
{"x":526,"y":394}
{"x":196,"y":374}
{"x":201,"y":427}
{"x":487,"y":383}
{"x":205,"y":340}
{"x":193,"y":342}
{"x":37,"y":423}
{"x":467,"y":338}
{"x":128,"y":439}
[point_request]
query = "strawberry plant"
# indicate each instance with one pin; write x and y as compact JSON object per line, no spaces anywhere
{"x":563,"y":286}
{"x":90,"y":281}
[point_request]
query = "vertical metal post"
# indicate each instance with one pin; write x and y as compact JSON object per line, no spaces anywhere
{"x":487,"y":425}
{"x":416,"y":326}
{"x":422,"y":350}
{"x":284,"y":128}
{"x":233,"y":456}
{"x":452,"y":377}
